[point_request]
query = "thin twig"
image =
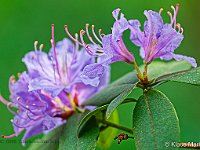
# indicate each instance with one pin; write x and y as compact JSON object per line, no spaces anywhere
{"x":115,"y":125}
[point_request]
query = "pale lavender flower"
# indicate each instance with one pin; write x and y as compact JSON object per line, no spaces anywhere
{"x":159,"y":40}
{"x":111,"y":47}
{"x":53,"y":88}
{"x":61,"y":68}
{"x":36,"y":110}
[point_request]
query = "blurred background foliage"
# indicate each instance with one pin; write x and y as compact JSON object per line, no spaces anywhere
{"x":22,"y":22}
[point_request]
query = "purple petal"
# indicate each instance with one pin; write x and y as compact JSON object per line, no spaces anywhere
{"x":190,"y":60}
{"x":91,"y":74}
{"x":153,"y":25}
{"x":168,"y":41}
{"x":39,"y":62}
{"x":39,"y":127}
{"x":116,"y":50}
{"x":44,"y":84}
{"x":19,"y":86}
{"x":119,"y":26}
{"x":83,"y":59}
{"x":115,"y":13}
{"x":136,"y":35}
{"x":142,"y":52}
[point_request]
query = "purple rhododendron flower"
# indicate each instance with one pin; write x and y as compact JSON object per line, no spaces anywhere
{"x":158,"y":40}
{"x":36,"y":110}
{"x":61,"y":68}
{"x":111,"y":47}
{"x":52,"y":90}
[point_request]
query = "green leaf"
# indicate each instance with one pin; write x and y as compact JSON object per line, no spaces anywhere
{"x":96,"y":111}
{"x":117,"y":101}
{"x":87,"y":117}
{"x":189,"y":76}
{"x":49,"y":141}
{"x":155,"y":122}
{"x":106,"y":136}
{"x":155,"y":69}
{"x":87,"y":138}
{"x":106,"y":95}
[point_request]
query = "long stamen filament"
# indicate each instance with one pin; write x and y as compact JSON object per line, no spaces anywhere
{"x":12,"y":135}
{"x":4,"y":101}
{"x":95,"y":35}
{"x":87,"y":32}
{"x":71,"y":37}
{"x":54,"y":49}
{"x":35,"y":45}
{"x":41,"y":47}
{"x":161,"y":10}
{"x":170,"y":15}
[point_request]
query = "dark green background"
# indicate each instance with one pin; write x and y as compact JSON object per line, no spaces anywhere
{"x":22,"y":22}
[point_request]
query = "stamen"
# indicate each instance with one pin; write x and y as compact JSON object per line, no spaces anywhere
{"x":174,"y":18}
{"x":87,"y":32}
{"x":101,"y":35}
{"x":181,"y":31}
{"x":8,"y":107}
{"x":34,"y":119}
{"x":23,"y":127}
{"x":54,"y":68}
{"x":18,"y":74}
{"x":12,"y":79}
{"x":18,"y":98}
{"x":20,"y":104}
{"x":70,"y":36}
{"x":41,"y":47}
{"x":54,"y":49}
{"x":95,"y":35}
{"x":76,"y":47}
{"x":178,"y":26}
{"x":4,"y":101}
{"x":82,"y":32}
{"x":161,"y":10}
{"x":170,"y":15}
{"x":12,"y":135}
{"x":35,"y":45}
{"x":175,"y":14}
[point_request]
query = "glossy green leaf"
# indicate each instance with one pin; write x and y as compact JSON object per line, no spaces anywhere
{"x":49,"y":141}
{"x":155,"y":69}
{"x":87,"y":138}
{"x":155,"y":122}
{"x":106,"y":136}
{"x":117,"y":101}
{"x":189,"y":76}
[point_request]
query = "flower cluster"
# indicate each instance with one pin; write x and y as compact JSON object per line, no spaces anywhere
{"x":52,"y":89}
{"x":158,"y":40}
{"x":57,"y":83}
